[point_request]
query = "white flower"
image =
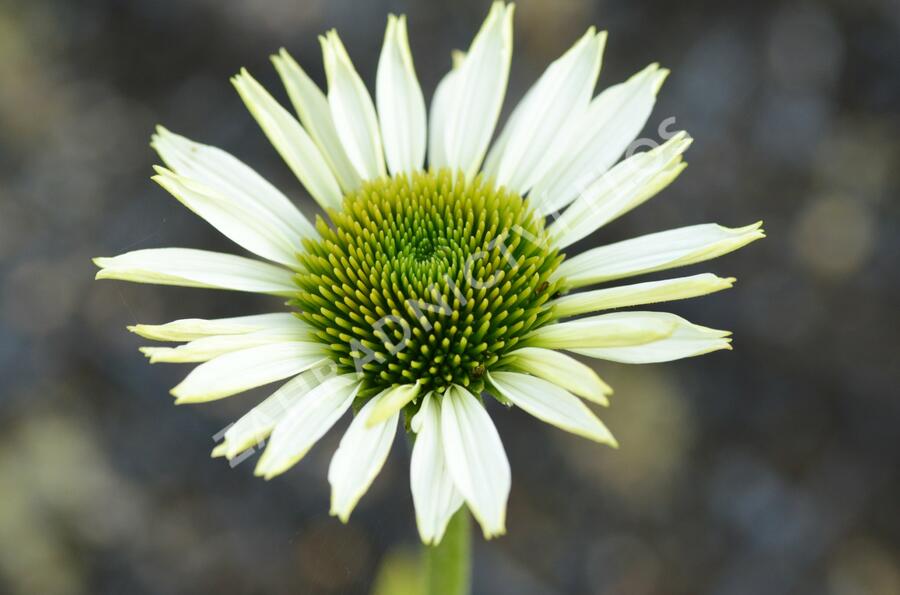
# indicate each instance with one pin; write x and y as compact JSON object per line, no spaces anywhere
{"x":429,"y":286}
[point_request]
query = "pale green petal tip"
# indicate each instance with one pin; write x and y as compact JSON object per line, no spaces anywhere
{"x":181,"y":398}
{"x":661,"y":76}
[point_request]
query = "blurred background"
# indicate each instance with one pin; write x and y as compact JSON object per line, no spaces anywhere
{"x":772,"y":469}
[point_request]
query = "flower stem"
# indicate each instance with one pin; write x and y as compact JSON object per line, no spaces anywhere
{"x":448,"y":565}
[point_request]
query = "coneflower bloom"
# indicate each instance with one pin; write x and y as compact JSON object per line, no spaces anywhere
{"x":423,"y":290}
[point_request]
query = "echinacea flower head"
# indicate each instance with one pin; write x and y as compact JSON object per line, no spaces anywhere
{"x":421,"y":291}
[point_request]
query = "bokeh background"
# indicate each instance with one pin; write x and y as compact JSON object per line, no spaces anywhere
{"x":771,"y":469}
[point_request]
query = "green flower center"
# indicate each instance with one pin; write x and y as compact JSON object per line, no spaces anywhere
{"x":426,"y":278}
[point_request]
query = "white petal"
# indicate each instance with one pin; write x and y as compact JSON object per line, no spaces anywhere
{"x":562,"y":370}
{"x":435,"y":497}
{"x":651,"y":292}
{"x":401,"y":106}
{"x":390,"y":401}
{"x":655,"y":252}
{"x":476,"y":458}
{"x":252,"y":228}
{"x":352,"y":110}
{"x":188,"y":329}
{"x":197,"y":268}
{"x":290,"y":140}
{"x":206,"y":348}
{"x":552,"y":404}
{"x":238,"y":371}
{"x":315,"y":115}
{"x":606,"y":330}
{"x":477,"y":93}
{"x":563,"y":92}
{"x":440,"y":112}
{"x":621,"y":189}
{"x":230,"y":178}
{"x":256,"y":425}
{"x":595,"y":140}
{"x":686,"y":340}
{"x":305,"y":423}
{"x":359,"y":459}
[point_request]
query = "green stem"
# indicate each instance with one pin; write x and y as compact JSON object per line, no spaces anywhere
{"x":448,"y":565}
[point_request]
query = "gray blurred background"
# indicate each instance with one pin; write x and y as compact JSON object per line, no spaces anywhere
{"x":770,"y":470}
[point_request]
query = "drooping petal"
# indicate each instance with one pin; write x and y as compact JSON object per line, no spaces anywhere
{"x":352,"y":110}
{"x":563,"y":92}
{"x":476,"y":459}
{"x":552,"y":404}
{"x":606,"y":330}
{"x":391,"y":401}
{"x":401,"y":106}
{"x":290,"y":140}
{"x":188,"y":267}
{"x":189,"y":329}
{"x":435,"y":497}
{"x":359,"y":458}
{"x":231,"y":178}
{"x":596,"y":139}
{"x":621,"y":189}
{"x":235,"y":372}
{"x":562,"y":370}
{"x":655,"y":252}
{"x":686,"y":340}
{"x":254,"y":229}
{"x":477,"y":93}
{"x":312,"y":106}
{"x":650,"y":292}
{"x":256,"y":425}
{"x":305,"y":423}
{"x":206,"y":348}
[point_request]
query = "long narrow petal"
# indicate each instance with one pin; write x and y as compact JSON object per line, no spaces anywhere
{"x":305,"y":423}
{"x":249,"y":226}
{"x":207,"y":348}
{"x":231,"y":178}
{"x":312,"y":106}
{"x":197,"y":268}
{"x":401,"y":106}
{"x":476,"y":458}
{"x":435,"y":498}
{"x":189,"y":329}
{"x":687,"y":340}
{"x":256,"y":425}
{"x":290,"y":140}
{"x":595,"y":140}
{"x":440,"y":113}
{"x":391,"y":401}
{"x":621,"y":189}
{"x":478,"y":92}
{"x":655,"y":252}
{"x":562,"y":370}
{"x":650,"y":292}
{"x":352,"y":109}
{"x":563,"y":92}
{"x":551,"y":403}
{"x":617,"y":329}
{"x":359,"y":458}
{"x":238,"y":371}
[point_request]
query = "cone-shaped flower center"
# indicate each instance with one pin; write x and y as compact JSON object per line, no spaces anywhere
{"x":427,"y":279}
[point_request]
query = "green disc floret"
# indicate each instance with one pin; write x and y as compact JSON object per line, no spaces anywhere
{"x":426,"y":278}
